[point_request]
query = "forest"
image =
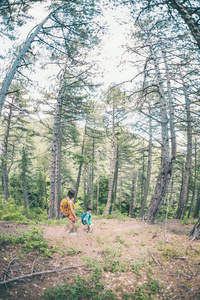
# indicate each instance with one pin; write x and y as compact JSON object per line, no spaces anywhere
{"x":129,"y":147}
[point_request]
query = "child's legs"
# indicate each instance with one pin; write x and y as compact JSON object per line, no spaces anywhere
{"x":90,"y":227}
{"x":71,"y":225}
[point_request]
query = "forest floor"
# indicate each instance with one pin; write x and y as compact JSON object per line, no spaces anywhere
{"x":133,"y":253}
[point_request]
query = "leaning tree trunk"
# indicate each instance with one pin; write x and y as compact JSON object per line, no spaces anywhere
{"x":195,"y":233}
{"x":13,"y":69}
{"x":80,"y":166}
{"x":166,"y":162}
{"x":146,"y":189}
{"x":182,"y":202}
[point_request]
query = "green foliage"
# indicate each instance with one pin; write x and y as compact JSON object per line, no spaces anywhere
{"x":37,"y":214}
{"x":79,"y":289}
{"x":185,"y":221}
{"x":72,"y":251}
{"x":118,"y":239}
{"x":145,"y":292}
{"x":117,"y":214}
{"x":12,"y":212}
{"x":171,"y":250}
{"x":29,"y":240}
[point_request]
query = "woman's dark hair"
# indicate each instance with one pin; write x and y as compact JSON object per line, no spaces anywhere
{"x":90,"y":208}
{"x":71,"y":193}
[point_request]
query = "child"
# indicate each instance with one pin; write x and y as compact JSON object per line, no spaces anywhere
{"x":90,"y":226}
{"x":67,"y":208}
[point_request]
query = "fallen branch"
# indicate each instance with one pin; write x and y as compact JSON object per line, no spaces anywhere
{"x":182,"y":258}
{"x":39,"y":273}
{"x":158,"y":263}
{"x":154,"y":236}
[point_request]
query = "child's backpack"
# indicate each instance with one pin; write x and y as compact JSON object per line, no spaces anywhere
{"x":83,"y":218}
{"x":64,"y":208}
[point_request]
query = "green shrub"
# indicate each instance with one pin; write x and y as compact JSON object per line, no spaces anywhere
{"x":29,"y":240}
{"x":11,"y":212}
{"x":145,"y":292}
{"x":79,"y":289}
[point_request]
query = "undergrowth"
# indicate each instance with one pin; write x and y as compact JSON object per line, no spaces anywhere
{"x":28,"y":240}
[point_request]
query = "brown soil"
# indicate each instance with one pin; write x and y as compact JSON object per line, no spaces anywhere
{"x":165,"y":255}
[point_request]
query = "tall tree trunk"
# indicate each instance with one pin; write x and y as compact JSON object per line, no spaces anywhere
{"x":24,"y":180}
{"x":81,"y":163}
{"x":58,"y":172}
{"x":143,"y":171}
{"x":188,"y":163}
{"x":85,"y":188}
{"x":144,"y":201}
{"x":166,"y":162}
{"x":97,"y":186}
{"x":195,"y":181}
{"x":110,"y":187}
{"x":92,"y":174}
{"x":132,"y":195}
{"x":135,"y":193}
{"x":115,"y":182}
{"x":120,"y":196}
{"x":5,"y":152}
{"x":55,"y":146}
{"x":197,"y":205}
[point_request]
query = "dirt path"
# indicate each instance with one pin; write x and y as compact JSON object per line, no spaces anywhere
{"x":168,"y":257}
